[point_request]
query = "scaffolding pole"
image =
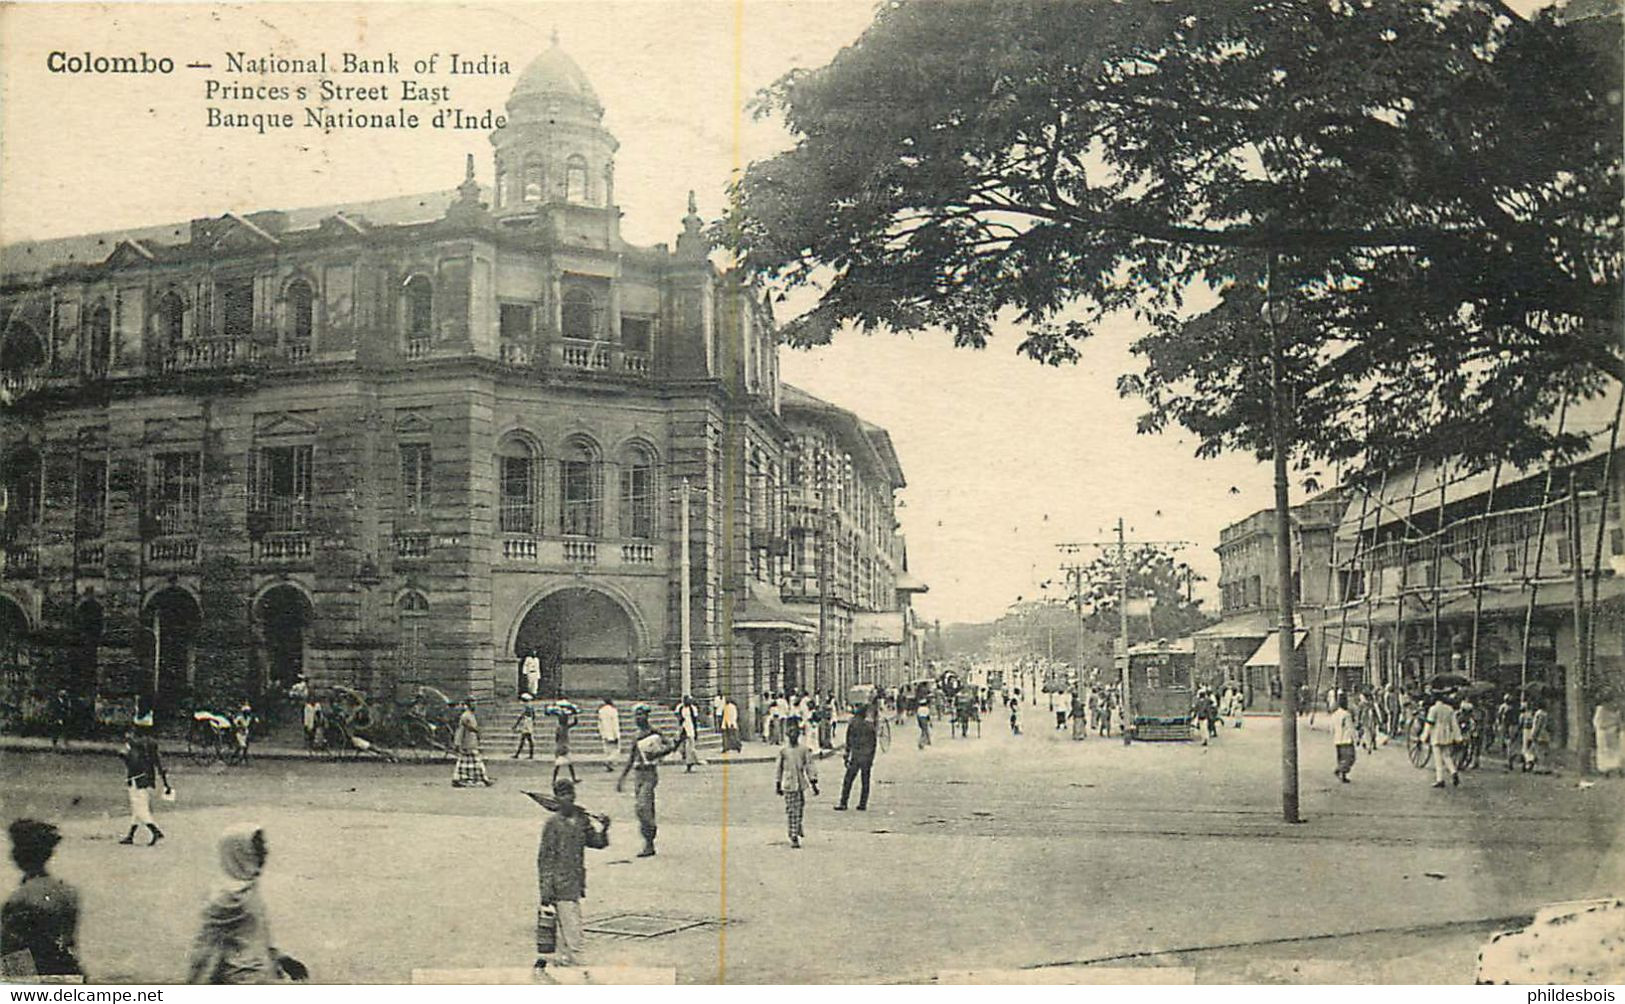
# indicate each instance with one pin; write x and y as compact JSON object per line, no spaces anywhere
{"x":1481,"y":561}
{"x":1540,"y":553}
{"x":1438,"y":567}
{"x":1404,"y":576}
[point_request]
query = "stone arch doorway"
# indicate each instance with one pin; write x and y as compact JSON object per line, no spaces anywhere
{"x":166,"y":650}
{"x":585,"y":641}
{"x":282,"y":617}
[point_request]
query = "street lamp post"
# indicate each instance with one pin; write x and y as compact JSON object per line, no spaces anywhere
{"x":1276,"y":312}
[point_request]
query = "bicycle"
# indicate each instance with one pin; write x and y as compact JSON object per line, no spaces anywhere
{"x":883,"y":734}
{"x":1421,"y":753}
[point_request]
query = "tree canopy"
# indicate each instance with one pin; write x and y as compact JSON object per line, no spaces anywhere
{"x":1439,"y":181}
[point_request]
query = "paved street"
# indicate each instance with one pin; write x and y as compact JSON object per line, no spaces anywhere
{"x":988,"y":855}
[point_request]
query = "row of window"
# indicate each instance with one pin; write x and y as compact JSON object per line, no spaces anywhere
{"x":280,"y":490}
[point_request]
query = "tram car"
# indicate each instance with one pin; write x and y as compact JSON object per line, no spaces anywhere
{"x":1161,"y":690}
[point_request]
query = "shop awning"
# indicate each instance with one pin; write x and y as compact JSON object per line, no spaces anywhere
{"x":763,"y":611}
{"x":907,"y":582}
{"x":1245,"y":626}
{"x":1265,"y":654}
{"x":1348,"y":655}
{"x":877,"y":627}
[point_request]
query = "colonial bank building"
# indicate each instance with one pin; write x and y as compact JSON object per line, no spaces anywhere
{"x":410,"y":441}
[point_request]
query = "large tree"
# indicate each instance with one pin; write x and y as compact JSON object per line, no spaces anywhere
{"x":1439,"y":181}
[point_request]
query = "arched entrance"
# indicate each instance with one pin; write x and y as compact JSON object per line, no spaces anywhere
{"x":166,"y":649}
{"x":14,"y":652}
{"x":283,"y":617}
{"x":585,"y":641}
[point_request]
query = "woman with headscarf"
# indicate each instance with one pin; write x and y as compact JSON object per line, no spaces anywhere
{"x":234,"y":945}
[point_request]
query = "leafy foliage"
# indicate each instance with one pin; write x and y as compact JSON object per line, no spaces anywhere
{"x":1441,"y":181}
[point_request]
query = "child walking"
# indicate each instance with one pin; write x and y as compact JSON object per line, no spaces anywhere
{"x":796,"y":774}
{"x":525,"y":725}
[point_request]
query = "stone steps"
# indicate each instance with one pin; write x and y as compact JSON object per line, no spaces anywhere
{"x":584,"y":741}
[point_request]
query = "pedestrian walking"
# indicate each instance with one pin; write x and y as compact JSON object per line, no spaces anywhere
{"x":564,"y":713}
{"x":796,"y":773}
{"x":609,"y":732}
{"x":730,"y":727}
{"x":470,"y":769}
{"x":1343,"y":738}
{"x":310,"y":717}
{"x":1443,"y":732}
{"x":861,"y":741}
{"x":1015,"y":716}
{"x":1537,"y":739}
{"x":1080,"y":715}
{"x":242,"y":732}
{"x":922,"y":717}
{"x":717,"y":700}
{"x":561,"y":876}
{"x":1059,"y":703}
{"x":525,"y":725}
{"x":143,"y":769}
{"x":648,"y":749}
{"x":61,"y":718}
{"x":688,"y":718}
{"x":234,"y":944}
{"x":41,"y":917}
{"x":1605,"y":726}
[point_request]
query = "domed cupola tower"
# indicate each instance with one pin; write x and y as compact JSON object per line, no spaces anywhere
{"x":554,"y":158}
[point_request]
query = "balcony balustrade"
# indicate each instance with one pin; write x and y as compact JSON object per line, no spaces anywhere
{"x":594,"y":357}
{"x":581,"y":552}
{"x":412,"y":545}
{"x":517,"y":355}
{"x":90,"y":555}
{"x":637,"y":554}
{"x":178,"y":551}
{"x":282,"y":547}
{"x":519,"y":549}
{"x":205,"y":354}
{"x":22,"y":561}
{"x":418,"y":348}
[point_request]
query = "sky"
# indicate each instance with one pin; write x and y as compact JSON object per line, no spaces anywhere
{"x":1004,"y":458}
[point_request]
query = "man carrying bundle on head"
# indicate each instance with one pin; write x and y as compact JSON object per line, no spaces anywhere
{"x":647,"y":750}
{"x":565,"y":712}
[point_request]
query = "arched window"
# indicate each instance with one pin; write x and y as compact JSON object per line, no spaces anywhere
{"x":580,"y":504}
{"x":301,"y":311}
{"x":98,"y":340}
{"x":171,"y":318}
{"x":517,"y":473}
{"x":637,"y":494}
{"x":21,"y":350}
{"x":418,"y":309}
{"x":578,"y":314}
{"x":533,"y":181}
{"x":575,"y":180}
{"x":412,"y":644}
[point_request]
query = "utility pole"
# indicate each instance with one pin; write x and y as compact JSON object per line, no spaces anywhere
{"x":825,"y":560}
{"x":1574,"y":681}
{"x":1122,"y":622}
{"x":1276,"y":313}
{"x":685,"y":649}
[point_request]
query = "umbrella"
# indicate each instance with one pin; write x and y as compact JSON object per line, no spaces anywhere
{"x":1538,"y":687}
{"x":1445,"y":681}
{"x":1478,"y":688}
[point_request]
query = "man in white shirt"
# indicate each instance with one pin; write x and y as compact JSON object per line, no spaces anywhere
{"x":609,"y":730}
{"x":1343,"y":736}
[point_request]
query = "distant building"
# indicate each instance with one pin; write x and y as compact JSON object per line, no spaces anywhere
{"x":407,"y":442}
